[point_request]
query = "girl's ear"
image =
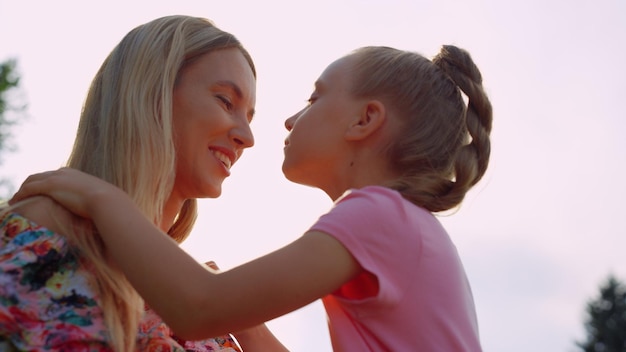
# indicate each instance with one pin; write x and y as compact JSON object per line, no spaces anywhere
{"x":370,"y":119}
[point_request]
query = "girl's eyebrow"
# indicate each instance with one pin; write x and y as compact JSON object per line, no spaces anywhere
{"x":319,"y":86}
{"x":238,"y":92}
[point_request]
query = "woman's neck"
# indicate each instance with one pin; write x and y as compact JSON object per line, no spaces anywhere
{"x":170,"y":210}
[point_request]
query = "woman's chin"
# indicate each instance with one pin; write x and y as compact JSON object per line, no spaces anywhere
{"x":211,"y":192}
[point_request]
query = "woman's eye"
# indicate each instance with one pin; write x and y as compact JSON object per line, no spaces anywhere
{"x":311,"y":100}
{"x":225,"y":101}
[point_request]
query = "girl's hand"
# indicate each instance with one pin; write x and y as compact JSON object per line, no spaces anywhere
{"x":73,"y":189}
{"x":211,"y":264}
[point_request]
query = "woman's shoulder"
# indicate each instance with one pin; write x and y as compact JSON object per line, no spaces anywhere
{"x":44,"y":284}
{"x":34,"y":226}
{"x":43,"y":212}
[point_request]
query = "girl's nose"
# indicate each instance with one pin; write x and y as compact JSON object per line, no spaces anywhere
{"x":291,"y":121}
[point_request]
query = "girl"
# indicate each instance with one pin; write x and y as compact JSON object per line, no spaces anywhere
{"x":388,"y":136}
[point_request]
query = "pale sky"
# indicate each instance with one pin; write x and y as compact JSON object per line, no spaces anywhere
{"x":537,"y":236}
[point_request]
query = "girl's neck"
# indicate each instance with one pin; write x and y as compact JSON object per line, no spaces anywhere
{"x":361,"y":171}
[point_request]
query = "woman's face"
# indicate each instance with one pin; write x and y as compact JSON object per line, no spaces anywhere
{"x":213,"y":105}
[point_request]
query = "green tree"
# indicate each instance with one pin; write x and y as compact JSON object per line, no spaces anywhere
{"x":606,"y":320}
{"x":9,"y":82}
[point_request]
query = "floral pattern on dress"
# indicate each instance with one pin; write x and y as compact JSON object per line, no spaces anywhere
{"x":47,"y":302}
{"x":153,"y":325}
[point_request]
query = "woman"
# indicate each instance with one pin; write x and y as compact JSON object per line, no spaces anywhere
{"x":165,"y":118}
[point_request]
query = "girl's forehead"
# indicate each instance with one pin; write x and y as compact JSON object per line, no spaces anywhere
{"x":338,"y":71}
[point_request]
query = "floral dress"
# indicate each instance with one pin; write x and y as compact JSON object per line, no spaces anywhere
{"x":48,"y":304}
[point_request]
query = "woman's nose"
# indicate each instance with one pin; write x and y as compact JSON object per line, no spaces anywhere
{"x":242,"y":135}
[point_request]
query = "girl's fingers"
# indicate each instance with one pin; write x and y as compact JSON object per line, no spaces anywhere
{"x":42,"y":183}
{"x":211,"y":264}
{"x":35,"y":184}
{"x":30,"y":187}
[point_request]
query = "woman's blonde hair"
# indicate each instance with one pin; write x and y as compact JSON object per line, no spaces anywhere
{"x":441,"y":148}
{"x":125,"y":137}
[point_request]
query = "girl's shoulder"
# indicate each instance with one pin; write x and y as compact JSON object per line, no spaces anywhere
{"x":380,"y":197}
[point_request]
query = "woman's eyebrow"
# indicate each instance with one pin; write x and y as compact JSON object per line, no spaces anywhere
{"x":238,"y":92}
{"x":232,"y":86}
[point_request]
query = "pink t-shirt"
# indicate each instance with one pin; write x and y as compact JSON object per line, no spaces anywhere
{"x":414,"y":296}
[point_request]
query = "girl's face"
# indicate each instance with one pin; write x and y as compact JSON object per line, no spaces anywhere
{"x":316,"y":149}
{"x":213,"y":105}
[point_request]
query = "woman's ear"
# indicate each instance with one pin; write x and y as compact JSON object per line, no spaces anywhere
{"x":369,"y":120}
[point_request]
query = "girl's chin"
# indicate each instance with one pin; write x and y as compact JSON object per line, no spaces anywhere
{"x":292,"y":177}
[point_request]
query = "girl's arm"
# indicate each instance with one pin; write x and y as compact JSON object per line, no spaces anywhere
{"x":194,"y":300}
{"x":259,"y":339}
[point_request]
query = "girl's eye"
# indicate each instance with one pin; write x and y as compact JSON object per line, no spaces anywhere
{"x":311,"y":100}
{"x":226,"y":102}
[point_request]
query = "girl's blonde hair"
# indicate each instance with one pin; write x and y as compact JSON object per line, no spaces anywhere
{"x":125,"y":137}
{"x":441,"y":148}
